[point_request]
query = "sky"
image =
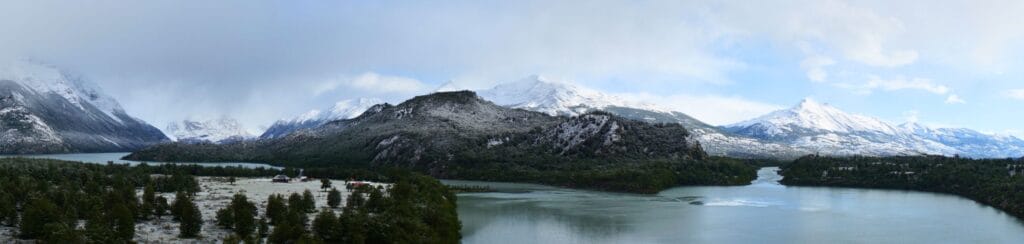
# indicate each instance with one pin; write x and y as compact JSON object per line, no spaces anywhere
{"x":941,"y":63}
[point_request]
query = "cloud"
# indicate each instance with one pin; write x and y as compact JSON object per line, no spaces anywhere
{"x":1015,"y":94}
{"x":712,"y":109}
{"x":371,"y":82}
{"x":921,"y":84}
{"x":954,"y":99}
{"x":857,"y":32}
{"x":233,"y":61}
{"x":912,"y":116}
{"x":815,"y":67}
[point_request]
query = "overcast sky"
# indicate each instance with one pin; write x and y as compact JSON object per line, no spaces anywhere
{"x":938,"y":62}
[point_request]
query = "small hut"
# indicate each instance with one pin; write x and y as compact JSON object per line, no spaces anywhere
{"x":281,"y":179}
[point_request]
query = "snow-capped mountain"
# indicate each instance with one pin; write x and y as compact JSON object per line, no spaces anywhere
{"x":223,"y":130}
{"x":540,"y":94}
{"x":345,"y":109}
{"x":824,"y":129}
{"x":970,"y":143}
{"x":47,"y":110}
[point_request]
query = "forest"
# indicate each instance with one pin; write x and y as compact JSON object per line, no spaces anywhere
{"x":46,"y":200}
{"x":994,"y":182}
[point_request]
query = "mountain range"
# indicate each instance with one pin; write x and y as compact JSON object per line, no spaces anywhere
{"x":345,"y":109}
{"x":44,"y":109}
{"x":809,"y":127}
{"x":48,"y":110}
{"x":222,"y":130}
{"x":541,"y":94}
{"x":441,"y":132}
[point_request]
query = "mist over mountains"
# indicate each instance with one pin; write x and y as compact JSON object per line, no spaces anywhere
{"x":47,"y":110}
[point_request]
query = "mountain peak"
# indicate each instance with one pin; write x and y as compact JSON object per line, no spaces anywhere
{"x":546,"y":95}
{"x":811,"y":105}
{"x":223,"y":129}
{"x":812,"y":115}
{"x":45,"y":78}
{"x":449,"y":86}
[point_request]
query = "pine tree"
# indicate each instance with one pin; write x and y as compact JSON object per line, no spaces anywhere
{"x":190,"y":216}
{"x":325,"y":184}
{"x":124,"y":222}
{"x":295,"y":202}
{"x":160,"y":206}
{"x":353,"y":226}
{"x":375,"y":202}
{"x":355,"y":200}
{"x":244,"y":213}
{"x":37,"y":213}
{"x":148,"y":202}
{"x":334,"y":198}
{"x":308,"y":202}
{"x":98,"y":228}
{"x":226,"y":217}
{"x":63,"y":233}
{"x":291,"y":228}
{"x":326,"y":227}
{"x":276,"y":208}
{"x":181,"y":201}
{"x":8,"y":210}
{"x":263,"y":228}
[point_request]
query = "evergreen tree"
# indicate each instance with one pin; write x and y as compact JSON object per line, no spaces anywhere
{"x":263,"y":228}
{"x":8,"y":209}
{"x":98,"y":229}
{"x":124,"y":222}
{"x":160,"y":206}
{"x":276,"y":208}
{"x":295,"y":202}
{"x":290,"y":229}
{"x":190,"y":217}
{"x":375,"y":202}
{"x":60,"y":232}
{"x":181,"y":201}
{"x":148,"y":202}
{"x":244,"y":213}
{"x":326,"y":227}
{"x":334,"y":198}
{"x":325,"y":184}
{"x":308,"y":202}
{"x":353,"y":226}
{"x":37,"y":213}
{"x":355,"y":200}
{"x":226,"y":217}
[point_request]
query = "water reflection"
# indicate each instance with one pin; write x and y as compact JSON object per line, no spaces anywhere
{"x":763,"y":212}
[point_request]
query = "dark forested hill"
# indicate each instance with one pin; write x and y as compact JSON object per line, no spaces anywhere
{"x":460,"y":135}
{"x":996,"y":182}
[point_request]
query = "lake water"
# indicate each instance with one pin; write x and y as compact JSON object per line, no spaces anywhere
{"x":763,"y":212}
{"x":103,"y":158}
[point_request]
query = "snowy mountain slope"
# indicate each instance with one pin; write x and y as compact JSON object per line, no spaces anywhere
{"x":539,"y":94}
{"x":345,"y":109}
{"x":824,"y":129}
{"x":47,"y":110}
{"x":221,"y":130}
{"x":970,"y":143}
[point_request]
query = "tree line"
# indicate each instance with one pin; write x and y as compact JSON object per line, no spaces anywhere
{"x":995,"y":182}
{"x":46,"y":199}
